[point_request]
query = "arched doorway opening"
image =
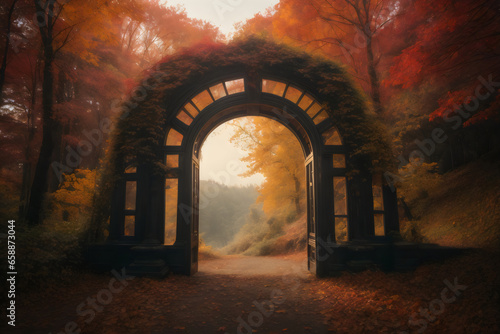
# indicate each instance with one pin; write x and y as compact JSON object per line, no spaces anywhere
{"x":252,"y":191}
{"x":249,"y":215}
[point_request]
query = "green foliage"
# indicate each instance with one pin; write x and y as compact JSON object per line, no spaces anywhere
{"x":54,"y":249}
{"x":48,"y":252}
{"x":9,"y":197}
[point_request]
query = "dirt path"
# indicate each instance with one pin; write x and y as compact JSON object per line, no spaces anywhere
{"x":233,"y":294}
{"x":273,"y":295}
{"x":238,"y":265}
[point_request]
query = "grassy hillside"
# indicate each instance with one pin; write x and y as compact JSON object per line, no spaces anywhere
{"x":269,"y":236}
{"x":460,"y":208}
{"x":223,"y":211}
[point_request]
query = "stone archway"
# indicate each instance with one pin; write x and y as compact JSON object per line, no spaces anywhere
{"x":342,"y":143}
{"x":271,"y":100}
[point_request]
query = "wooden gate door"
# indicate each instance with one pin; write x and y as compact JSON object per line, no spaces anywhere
{"x":195,"y":217}
{"x":311,"y":215}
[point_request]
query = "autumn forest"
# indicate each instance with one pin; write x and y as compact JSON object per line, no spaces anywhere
{"x":426,"y":72}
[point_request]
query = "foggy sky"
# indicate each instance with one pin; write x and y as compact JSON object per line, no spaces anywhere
{"x":223,"y":13}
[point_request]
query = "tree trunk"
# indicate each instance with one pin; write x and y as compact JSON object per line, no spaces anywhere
{"x":28,"y":165}
{"x":31,"y":132}
{"x":27,"y":178}
{"x":40,"y":183}
{"x":58,"y":132}
{"x":50,"y":127}
{"x":372,"y":73}
{"x":6,"y":51}
{"x":39,"y":186}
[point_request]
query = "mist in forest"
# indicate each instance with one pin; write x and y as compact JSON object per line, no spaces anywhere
{"x":224,"y":210}
{"x":241,"y":218}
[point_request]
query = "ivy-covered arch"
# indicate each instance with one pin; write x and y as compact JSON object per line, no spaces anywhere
{"x":151,"y":175}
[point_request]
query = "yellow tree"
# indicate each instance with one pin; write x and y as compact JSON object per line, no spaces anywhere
{"x":274,"y":152}
{"x":75,"y":194}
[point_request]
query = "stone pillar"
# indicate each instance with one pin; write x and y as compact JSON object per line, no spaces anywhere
{"x":147,"y":229}
{"x":117,"y":212}
{"x":360,"y":208}
{"x":391,"y":211}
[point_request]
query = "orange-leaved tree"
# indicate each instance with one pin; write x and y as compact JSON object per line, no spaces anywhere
{"x":454,"y":43}
{"x":346,"y":30}
{"x":274,"y":152}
